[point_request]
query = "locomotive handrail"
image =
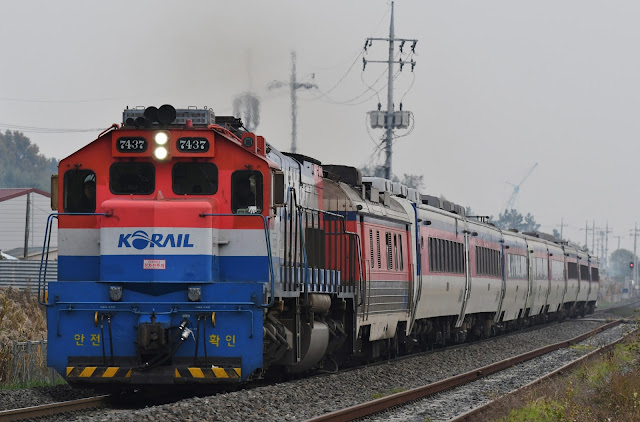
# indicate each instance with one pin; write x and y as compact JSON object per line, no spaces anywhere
{"x":333,"y":214}
{"x":269,"y":254}
{"x":45,"y":248}
{"x":343,"y":227}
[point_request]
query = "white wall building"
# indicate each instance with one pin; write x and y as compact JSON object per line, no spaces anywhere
{"x":13,"y":218}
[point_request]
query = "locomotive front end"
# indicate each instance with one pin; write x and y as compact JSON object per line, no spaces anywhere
{"x":164,"y":254}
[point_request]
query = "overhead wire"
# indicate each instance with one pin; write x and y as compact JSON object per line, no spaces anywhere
{"x":87,"y":100}
{"x":34,"y":129}
{"x":410,"y":86}
{"x":355,"y":60}
{"x":369,"y":88}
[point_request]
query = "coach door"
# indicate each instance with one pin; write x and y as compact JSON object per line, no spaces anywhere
{"x":467,"y":278}
{"x":530,"y":260}
{"x":503,"y":288}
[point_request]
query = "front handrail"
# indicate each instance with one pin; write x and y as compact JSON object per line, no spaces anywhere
{"x":45,"y":249}
{"x":269,"y":253}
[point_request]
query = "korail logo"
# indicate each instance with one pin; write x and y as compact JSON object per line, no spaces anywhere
{"x":141,"y":240}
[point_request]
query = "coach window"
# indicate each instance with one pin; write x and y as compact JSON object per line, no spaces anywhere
{"x":80,"y":191}
{"x":194,"y":178}
{"x":246,"y":192}
{"x":401,"y":254}
{"x":389,"y":251}
{"x":126,"y":178}
{"x":584,"y":273}
{"x":395,"y":251}
{"x":378,"y":249}
{"x":371,"y":247}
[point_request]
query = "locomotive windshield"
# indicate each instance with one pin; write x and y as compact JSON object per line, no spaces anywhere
{"x":195,"y":178}
{"x":132,"y":178}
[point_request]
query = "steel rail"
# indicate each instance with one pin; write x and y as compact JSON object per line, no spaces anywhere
{"x":384,"y":403}
{"x":472,"y":414}
{"x":53,"y":408}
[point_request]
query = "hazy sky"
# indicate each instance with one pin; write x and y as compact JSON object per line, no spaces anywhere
{"x":499,"y":86}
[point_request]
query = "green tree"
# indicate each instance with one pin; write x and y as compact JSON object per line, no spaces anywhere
{"x":619,"y":264}
{"x":22,"y":165}
{"x":512,"y":219}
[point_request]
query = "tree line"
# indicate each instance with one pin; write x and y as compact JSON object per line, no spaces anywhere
{"x":22,"y":165}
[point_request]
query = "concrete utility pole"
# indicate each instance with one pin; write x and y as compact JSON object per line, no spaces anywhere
{"x":606,"y":246}
{"x":635,"y":260}
{"x":294,"y":86}
{"x":26,"y":227}
{"x":586,"y":232}
{"x":618,"y":237}
{"x":391,"y":118}
{"x":562,"y":225}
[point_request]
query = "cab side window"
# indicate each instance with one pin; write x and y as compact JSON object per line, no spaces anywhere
{"x":246,"y":192}
{"x":80,"y":191}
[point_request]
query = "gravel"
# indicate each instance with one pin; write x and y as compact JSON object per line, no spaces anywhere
{"x":14,"y":399}
{"x":454,"y":402}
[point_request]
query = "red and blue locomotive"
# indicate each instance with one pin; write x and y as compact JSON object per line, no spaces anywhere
{"x":191,"y":250}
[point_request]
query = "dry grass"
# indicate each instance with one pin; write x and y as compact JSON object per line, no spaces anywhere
{"x":606,"y":388}
{"x":22,"y":318}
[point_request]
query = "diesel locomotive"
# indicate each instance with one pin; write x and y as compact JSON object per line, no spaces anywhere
{"x":192,"y":251}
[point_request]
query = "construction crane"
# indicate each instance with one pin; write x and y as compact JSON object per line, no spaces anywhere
{"x":516,"y":188}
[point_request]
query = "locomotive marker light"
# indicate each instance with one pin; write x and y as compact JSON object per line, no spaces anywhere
{"x":160,"y":153}
{"x":161,"y":138}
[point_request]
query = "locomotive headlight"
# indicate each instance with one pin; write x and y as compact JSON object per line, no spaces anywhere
{"x":160,"y":153}
{"x":161,"y":138}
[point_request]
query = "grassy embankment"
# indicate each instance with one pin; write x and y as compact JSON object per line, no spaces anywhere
{"x":22,"y":318}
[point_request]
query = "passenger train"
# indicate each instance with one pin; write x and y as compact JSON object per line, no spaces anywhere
{"x":193,"y":251}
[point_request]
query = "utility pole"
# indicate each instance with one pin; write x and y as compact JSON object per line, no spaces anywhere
{"x":390,"y":119}
{"x":606,"y":246}
{"x":618,"y":237}
{"x":294,"y":86}
{"x":562,"y":225}
{"x":26,"y":227}
{"x":586,"y":232}
{"x":635,"y":260}
{"x":593,"y":237}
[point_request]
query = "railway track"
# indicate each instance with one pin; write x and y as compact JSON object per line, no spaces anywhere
{"x":100,"y":401}
{"x":53,"y":408}
{"x":379,"y":405}
{"x":474,"y":413}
